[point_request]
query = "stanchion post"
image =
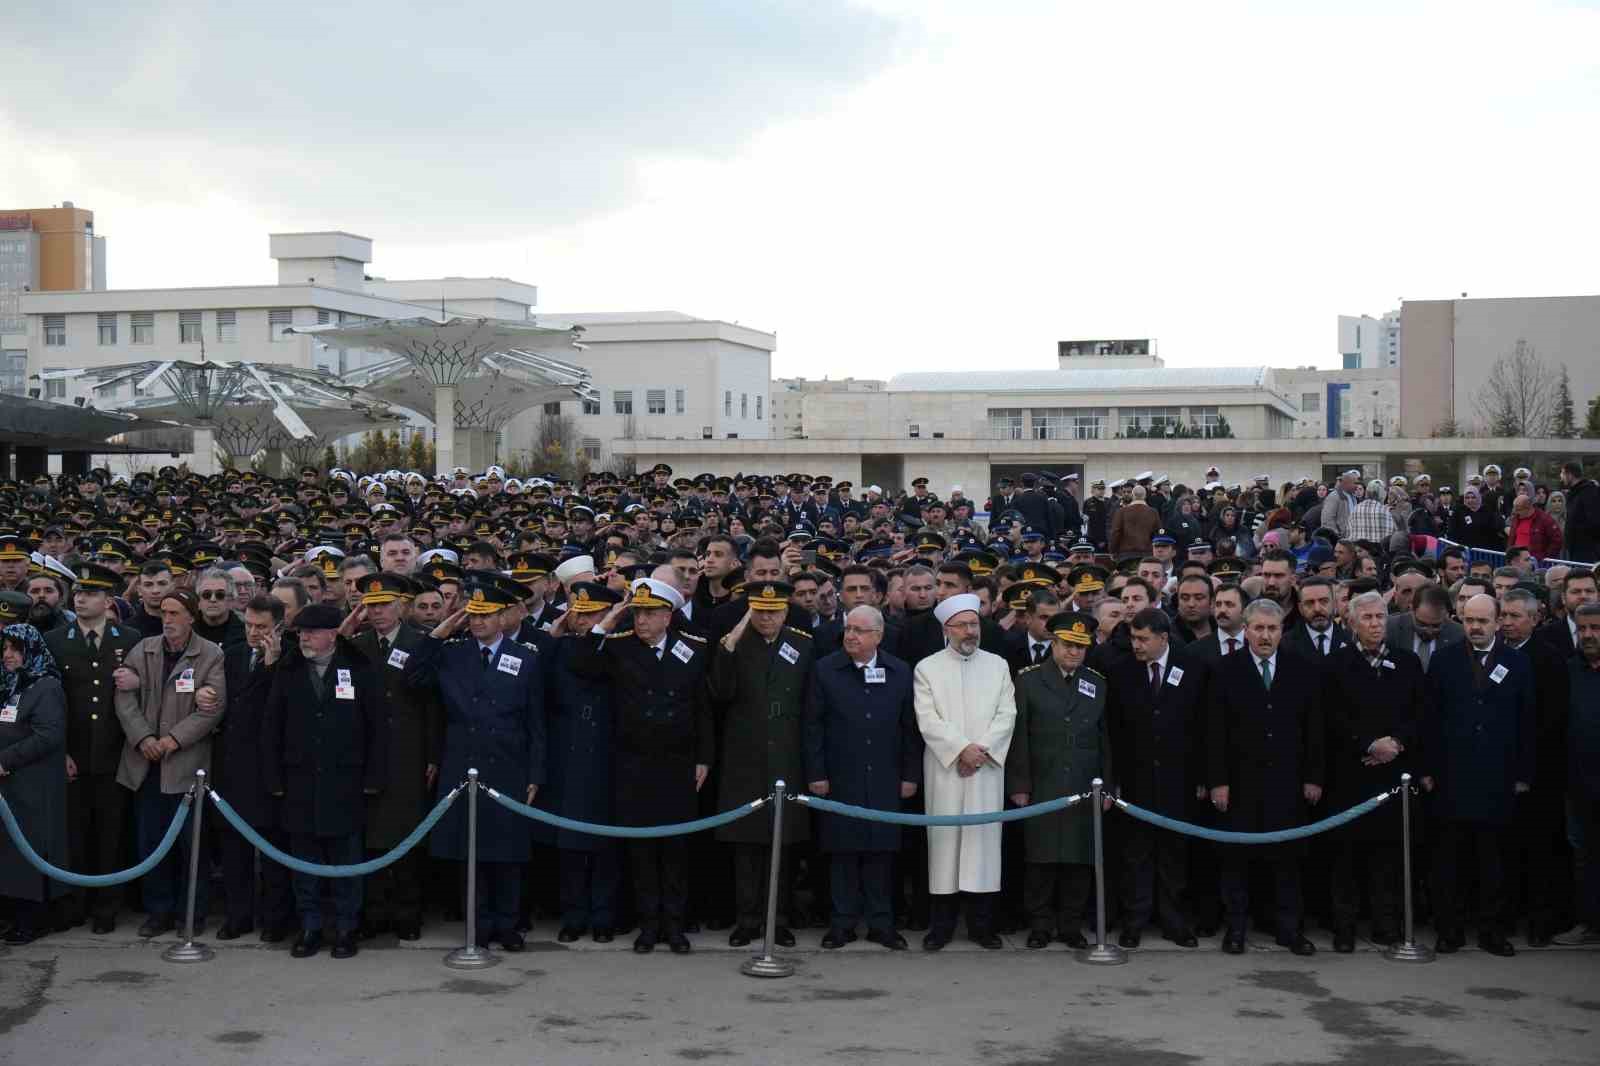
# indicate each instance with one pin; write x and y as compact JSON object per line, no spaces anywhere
{"x":765,"y":965}
{"x":188,"y":950}
{"x":1102,"y":953}
{"x":1408,"y":950}
{"x":469,"y":956}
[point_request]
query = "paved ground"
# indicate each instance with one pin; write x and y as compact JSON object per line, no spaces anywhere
{"x":88,"y":1001}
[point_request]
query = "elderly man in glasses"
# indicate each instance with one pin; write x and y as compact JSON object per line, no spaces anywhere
{"x":217,"y":623}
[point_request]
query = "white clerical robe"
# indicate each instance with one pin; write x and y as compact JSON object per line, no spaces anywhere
{"x":960,"y":701}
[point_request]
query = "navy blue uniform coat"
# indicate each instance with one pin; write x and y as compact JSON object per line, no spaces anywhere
{"x":1481,"y":738}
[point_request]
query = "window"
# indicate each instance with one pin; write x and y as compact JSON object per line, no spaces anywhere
{"x":553,"y":409}
{"x":227,"y":327}
{"x":744,"y":405}
{"x":108,"y":329}
{"x":1207,"y":418}
{"x":188,"y":327}
{"x":758,"y":407}
{"x":55,"y":331}
{"x":1310,"y":402}
{"x":913,"y":430}
{"x":1146,"y":421}
{"x":591,"y":407}
{"x":1005,"y":423}
{"x":1068,"y":423}
{"x":14,"y":371}
{"x":144,"y":327}
{"x":591,"y":448}
{"x":278,"y":323}
{"x":56,"y":389}
{"x":727,"y":404}
{"x":1352,"y":360}
{"x":705,"y":432}
{"x":622,"y":401}
{"x":323,"y":318}
{"x":655,"y":401}
{"x":677,"y":401}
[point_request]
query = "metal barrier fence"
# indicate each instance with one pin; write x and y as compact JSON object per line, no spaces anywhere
{"x":470,"y":956}
{"x":1498,"y":558}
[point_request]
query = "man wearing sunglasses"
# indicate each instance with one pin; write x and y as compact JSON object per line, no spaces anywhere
{"x":217,"y":622}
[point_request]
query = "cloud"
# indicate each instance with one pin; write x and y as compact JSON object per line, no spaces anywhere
{"x":391,"y":115}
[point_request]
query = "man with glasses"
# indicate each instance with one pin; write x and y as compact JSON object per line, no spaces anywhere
{"x":217,"y":622}
{"x":245,"y":585}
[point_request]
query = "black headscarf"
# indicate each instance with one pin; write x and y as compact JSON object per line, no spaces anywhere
{"x":37,"y":661}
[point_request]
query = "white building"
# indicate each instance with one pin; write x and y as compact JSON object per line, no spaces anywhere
{"x":1344,"y":403}
{"x":1367,"y":343}
{"x":788,"y":400}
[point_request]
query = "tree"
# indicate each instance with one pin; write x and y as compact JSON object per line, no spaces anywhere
{"x":329,"y":460}
{"x":1519,"y":395}
{"x":1448,"y":427}
{"x":1563,"y":423}
{"x":1591,"y":421}
{"x":417,"y":453}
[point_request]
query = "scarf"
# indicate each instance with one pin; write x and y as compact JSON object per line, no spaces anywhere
{"x":37,"y":661}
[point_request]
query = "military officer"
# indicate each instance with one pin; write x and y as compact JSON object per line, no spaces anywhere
{"x":89,"y":650}
{"x":1058,"y":747}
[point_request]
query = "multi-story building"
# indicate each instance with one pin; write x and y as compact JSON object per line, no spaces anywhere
{"x":1344,"y":403}
{"x":788,"y":400}
{"x":41,"y":249}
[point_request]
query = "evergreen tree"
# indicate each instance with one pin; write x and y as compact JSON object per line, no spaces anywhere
{"x":1563,"y":423}
{"x":1591,"y":422}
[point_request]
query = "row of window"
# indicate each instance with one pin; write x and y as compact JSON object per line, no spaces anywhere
{"x":1089,"y":423}
{"x":191,"y":326}
{"x":655,"y":403}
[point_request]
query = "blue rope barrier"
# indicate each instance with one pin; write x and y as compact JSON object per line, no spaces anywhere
{"x":1279,"y":836}
{"x":872,"y":814}
{"x":56,"y":873}
{"x":359,"y":869}
{"x":641,"y":832}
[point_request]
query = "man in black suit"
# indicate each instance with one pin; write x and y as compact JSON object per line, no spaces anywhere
{"x":1426,"y":629}
{"x":1264,"y":744}
{"x":1028,"y":642}
{"x":1318,"y":636}
{"x":1156,"y":730}
{"x":1560,"y":636}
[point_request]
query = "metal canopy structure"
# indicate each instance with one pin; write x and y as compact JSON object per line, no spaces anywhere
{"x":474,"y":373}
{"x":244,"y":407}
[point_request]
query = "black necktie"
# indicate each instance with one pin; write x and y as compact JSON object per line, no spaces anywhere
{"x":94,"y":643}
{"x":1233,"y":645}
{"x":488,"y":656}
{"x":1322,"y":643}
{"x":1155,"y":682}
{"x":1040,"y":651}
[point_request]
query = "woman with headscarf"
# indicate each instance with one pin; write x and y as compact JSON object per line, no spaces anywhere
{"x":33,"y":776}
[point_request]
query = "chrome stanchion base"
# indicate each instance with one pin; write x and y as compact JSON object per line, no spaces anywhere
{"x":1409,"y":952}
{"x":1103,"y":955}
{"x":471,"y":957}
{"x":767,"y":966}
{"x":188,"y":951}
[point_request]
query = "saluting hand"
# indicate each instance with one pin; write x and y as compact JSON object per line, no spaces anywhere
{"x":353,"y":622}
{"x":731,"y":641}
{"x":609,"y":622}
{"x":444,"y":630}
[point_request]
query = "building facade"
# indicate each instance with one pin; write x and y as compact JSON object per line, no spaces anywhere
{"x":1344,"y":403}
{"x":41,"y":249}
{"x":788,"y":400}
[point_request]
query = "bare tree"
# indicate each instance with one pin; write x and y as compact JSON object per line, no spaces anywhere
{"x":1519,"y":395}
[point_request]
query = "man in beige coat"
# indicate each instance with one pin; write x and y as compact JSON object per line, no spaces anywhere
{"x":1133,"y":525}
{"x":170,"y":695}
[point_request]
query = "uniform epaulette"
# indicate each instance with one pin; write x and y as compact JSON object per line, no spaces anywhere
{"x":696,"y":637}
{"x":1029,"y":669}
{"x":623,"y":633}
{"x":1090,"y":670}
{"x":797,"y":630}
{"x":530,"y":647}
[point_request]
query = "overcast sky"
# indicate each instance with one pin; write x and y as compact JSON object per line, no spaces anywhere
{"x":889,"y":185}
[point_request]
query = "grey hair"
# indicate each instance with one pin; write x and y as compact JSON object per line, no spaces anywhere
{"x":1528,"y":600}
{"x":865,"y":610}
{"x":1263,"y":606}
{"x":352,"y":562}
{"x":918,"y":570}
{"x":1366,"y":599}
{"x":216,"y":573}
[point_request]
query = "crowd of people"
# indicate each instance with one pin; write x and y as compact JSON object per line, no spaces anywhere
{"x":336,"y":651}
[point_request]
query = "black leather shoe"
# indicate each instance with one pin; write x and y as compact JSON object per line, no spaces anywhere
{"x":1448,"y":944}
{"x":1182,"y":937}
{"x":1344,"y":941}
{"x":345,"y":946}
{"x":230,"y":931}
{"x":741,"y":936}
{"x":644,"y":943}
{"x":156,"y":924}
{"x":691,"y":927}
{"x":1074,"y":939}
{"x":679,"y":944}
{"x":1299,"y":945}
{"x":1495,"y":944}
{"x":988,"y":941}
{"x":1538,"y":936}
{"x":1384,"y":936}
{"x":19,"y":935}
{"x":1129,"y":938}
{"x":1203,"y":930}
{"x":602,"y":936}
{"x":1037,"y":940}
{"x":273,"y":934}
{"x":512,"y":941}
{"x":307,"y":944}
{"x":934,"y":942}
{"x":837,"y":938}
{"x":783,"y":937}
{"x":104,"y":925}
{"x":888,"y":938}
{"x":1233,"y":943}
{"x":569,"y":933}
{"x":408,"y":930}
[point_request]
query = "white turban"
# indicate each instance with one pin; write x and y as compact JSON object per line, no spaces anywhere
{"x":948,"y":609}
{"x":578,"y":564}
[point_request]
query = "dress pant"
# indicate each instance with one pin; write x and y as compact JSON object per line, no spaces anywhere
{"x":1054,"y":895}
{"x":751,"y":872}
{"x":911,"y":872}
{"x":1283,"y":862}
{"x":1538,"y":848}
{"x":1583,"y":832}
{"x":394,"y":893}
{"x":1155,"y":872}
{"x":499,"y":891}
{"x":590,"y":881}
{"x":97,"y":808}
{"x":1382,"y":862}
{"x":660,"y":883}
{"x":1205,"y":869}
{"x":945,"y":909}
{"x":1487,"y":844}
{"x":343,"y":850}
{"x":859,"y":885}
{"x":275,"y":903}
{"x":166,"y":887}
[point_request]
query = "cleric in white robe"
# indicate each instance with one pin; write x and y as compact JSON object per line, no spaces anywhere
{"x":966,"y":707}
